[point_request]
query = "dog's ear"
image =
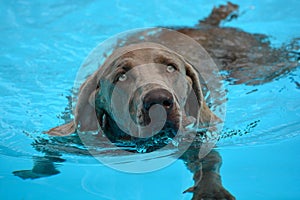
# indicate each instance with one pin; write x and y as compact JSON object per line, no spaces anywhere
{"x":204,"y":114}
{"x":62,"y":130}
{"x":85,"y":113}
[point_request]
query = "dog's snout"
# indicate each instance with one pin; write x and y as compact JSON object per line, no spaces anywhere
{"x":158,"y":96}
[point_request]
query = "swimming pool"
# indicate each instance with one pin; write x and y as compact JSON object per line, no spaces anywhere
{"x":42,"y":48}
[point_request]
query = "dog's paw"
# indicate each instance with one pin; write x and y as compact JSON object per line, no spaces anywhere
{"x":210,"y":187}
{"x":217,"y":193}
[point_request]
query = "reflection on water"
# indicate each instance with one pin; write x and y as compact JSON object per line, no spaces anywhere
{"x":272,"y":111}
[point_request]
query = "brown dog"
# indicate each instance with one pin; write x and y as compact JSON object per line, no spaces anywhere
{"x":246,"y":58}
{"x":167,"y":79}
{"x":170,"y":81}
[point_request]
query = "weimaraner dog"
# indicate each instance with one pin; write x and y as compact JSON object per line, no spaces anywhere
{"x":95,"y":93}
{"x":247,"y":58}
{"x":160,"y":65}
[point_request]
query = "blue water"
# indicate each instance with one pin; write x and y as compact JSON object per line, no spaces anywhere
{"x":42,"y":45}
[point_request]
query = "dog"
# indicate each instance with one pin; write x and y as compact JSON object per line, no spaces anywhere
{"x":246,"y":58}
{"x":163,"y":68}
{"x":166,"y":79}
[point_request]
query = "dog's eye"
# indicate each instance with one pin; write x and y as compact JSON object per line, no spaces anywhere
{"x":122,"y":77}
{"x":171,"y":68}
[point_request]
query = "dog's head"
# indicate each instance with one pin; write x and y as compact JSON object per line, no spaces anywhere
{"x":139,"y":85}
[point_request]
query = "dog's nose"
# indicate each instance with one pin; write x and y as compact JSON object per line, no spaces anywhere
{"x":158,"y":96}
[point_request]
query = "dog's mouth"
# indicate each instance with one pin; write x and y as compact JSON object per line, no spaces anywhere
{"x":154,"y":119}
{"x":134,"y":143}
{"x":174,"y":123}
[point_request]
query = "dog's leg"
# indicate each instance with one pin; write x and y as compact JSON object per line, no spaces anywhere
{"x":208,"y":184}
{"x":43,"y":167}
{"x":220,"y":13}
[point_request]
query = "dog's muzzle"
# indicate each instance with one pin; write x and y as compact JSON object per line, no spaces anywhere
{"x":158,"y":96}
{"x":147,"y":99}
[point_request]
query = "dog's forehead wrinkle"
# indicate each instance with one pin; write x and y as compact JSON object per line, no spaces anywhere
{"x":124,"y":61}
{"x":148,"y":55}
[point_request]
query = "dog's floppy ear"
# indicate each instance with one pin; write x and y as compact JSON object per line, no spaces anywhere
{"x":204,"y":114}
{"x":85,"y":113}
